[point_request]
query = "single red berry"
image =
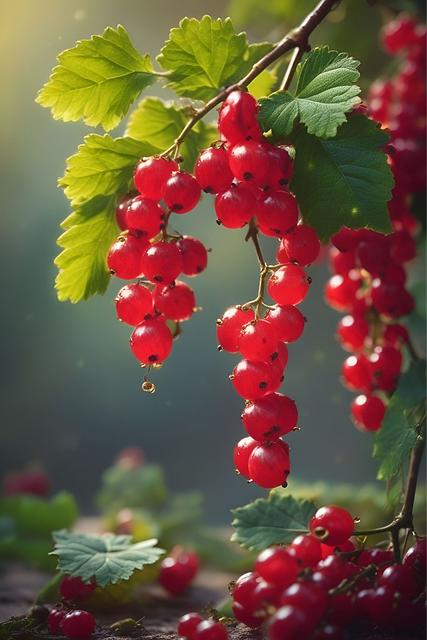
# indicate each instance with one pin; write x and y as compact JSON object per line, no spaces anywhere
{"x":340,"y":291}
{"x":151,"y":175}
{"x":403,"y":247}
{"x":211,"y":630}
{"x":346,"y":239}
{"x":292,"y":623}
{"x":241,"y":453}
{"x":194,"y":255}
{"x":189,"y":559}
{"x":125,"y":255}
{"x":416,"y":559}
{"x":253,"y":380}
{"x":74,"y":589}
{"x":281,"y":166}
{"x":301,"y":245}
{"x":401,"y":579}
{"x":243,"y":589}
{"x":356,"y":373}
{"x":174,"y":576}
{"x":391,"y":299}
{"x":188,"y":624}
{"x":270,"y":417}
{"x":151,"y":341}
{"x":341,"y":262}
{"x":395,"y":334}
{"x":181,"y":192}
{"x":250,"y":162}
{"x":235,"y":206}
{"x":133,"y":303}
{"x":212,"y":171}
{"x":368,"y":412}
{"x":398,"y":34}
{"x":277,"y":566}
{"x":258,"y":340}
{"x":161,"y":262}
{"x":288,"y":321}
{"x":352,"y":332}
{"x":229,"y":326}
{"x":78,"y":624}
{"x":249,"y":617}
{"x":121,"y":212}
{"x":308,"y":596}
{"x":266,"y":595}
{"x":373,"y":252}
{"x":289,"y":285}
{"x":144,"y":216}
{"x":385,"y":363}
{"x":54,"y":620}
{"x":269,"y":464}
{"x":277,"y":213}
{"x":175,"y":301}
{"x":332,"y":525}
{"x":306,"y":550}
{"x":237,"y":118}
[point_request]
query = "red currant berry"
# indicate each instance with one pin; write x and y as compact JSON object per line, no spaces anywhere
{"x":281,"y":166}
{"x":181,"y":192}
{"x":270,"y":417}
{"x":391,"y":299}
{"x":416,"y":559}
{"x":306,"y":550}
{"x":250,"y":162}
{"x":176,"y":301}
{"x":332,"y":525}
{"x":124,"y":257}
{"x":162,"y":262}
{"x":292,"y":623}
{"x":211,"y":630}
{"x":346,"y":239}
{"x":258,"y":340}
{"x":243,"y":589}
{"x":356,"y":373}
{"x":385,"y":364}
{"x":301,"y":245}
{"x":188,"y":624}
{"x":237,"y":118}
{"x":241,"y":453}
{"x":121,"y":212}
{"x":229,"y":326}
{"x":340,"y":291}
{"x":400,"y":579}
{"x":306,"y":595}
{"x":368,"y":412}
{"x":266,"y":595}
{"x":289,"y":285}
{"x":194,"y":255}
{"x":212,"y":171}
{"x":288,"y":321}
{"x":247,"y":616}
{"x":78,"y":624}
{"x":74,"y":589}
{"x":395,"y":334}
{"x":144,"y":216}
{"x":341,"y":263}
{"x":398,"y":34}
{"x":352,"y":333}
{"x":269,"y":464}
{"x":277,"y":213}
{"x":236,"y":206}
{"x":133,"y":303}
{"x":174,"y":576}
{"x":54,"y":620}
{"x":277,"y":566}
{"x":373,"y":252}
{"x":151,"y":341}
{"x":151,"y":175}
{"x":253,"y":380}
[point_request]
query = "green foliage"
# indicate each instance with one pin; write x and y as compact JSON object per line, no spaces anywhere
{"x":97,"y":80}
{"x":107,"y":558}
{"x":402,"y":423}
{"x":273,"y":520}
{"x":202,"y":56}
{"x":343,"y":180}
{"x":324,"y":93}
{"x":143,"y":487}
{"x":264,"y":83}
{"x":18,"y":627}
{"x":36,"y":516}
{"x":89,"y":232}
{"x":158,"y":123}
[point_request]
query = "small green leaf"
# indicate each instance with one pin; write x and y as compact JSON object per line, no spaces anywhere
{"x":107,"y":558}
{"x":102,"y":166}
{"x":202,"y":56}
{"x":36,"y":516}
{"x":97,"y":80}
{"x":89,"y":232}
{"x":158,"y":123}
{"x":398,"y":434}
{"x":273,"y":520}
{"x":324,"y":93}
{"x":345,"y":180}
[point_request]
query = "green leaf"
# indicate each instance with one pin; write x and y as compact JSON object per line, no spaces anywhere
{"x":107,"y":558}
{"x":142,"y":487}
{"x":36,"y":516}
{"x":273,"y":520}
{"x":89,"y":232}
{"x":97,"y":80}
{"x":202,"y":56}
{"x":344,"y":180}
{"x":159,"y":123}
{"x":264,"y":83}
{"x":398,"y":434}
{"x":324,"y":93}
{"x":102,"y":166}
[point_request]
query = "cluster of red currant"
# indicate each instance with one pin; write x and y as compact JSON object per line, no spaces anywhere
{"x":249,"y":177}
{"x":323,"y":581}
{"x":63,"y":619}
{"x":178,"y":570}
{"x":193,"y":626}
{"x":369,"y":275}
{"x":147,"y":252}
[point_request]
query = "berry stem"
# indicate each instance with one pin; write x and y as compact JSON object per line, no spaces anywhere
{"x":297,"y":38}
{"x":292,"y":66}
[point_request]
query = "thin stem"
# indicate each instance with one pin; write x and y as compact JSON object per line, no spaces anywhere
{"x":296,"y":38}
{"x":291,"y":68}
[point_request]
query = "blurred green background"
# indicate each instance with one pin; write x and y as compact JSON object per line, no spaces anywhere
{"x":70,"y":387}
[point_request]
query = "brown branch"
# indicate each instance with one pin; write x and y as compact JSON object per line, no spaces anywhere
{"x":292,"y":66}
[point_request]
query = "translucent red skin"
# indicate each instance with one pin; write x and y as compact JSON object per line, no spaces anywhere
{"x":175,"y":302}
{"x":270,"y":417}
{"x":277,"y":213}
{"x":300,"y":245}
{"x":288,"y":321}
{"x":151,"y":175}
{"x":368,"y":412}
{"x":78,"y":624}
{"x":212,"y":171}
{"x":161,"y":263}
{"x":229,"y":327}
{"x":144,"y":216}
{"x":241,"y":453}
{"x":133,"y":303}
{"x":235,"y":206}
{"x":269,"y":464}
{"x":181,"y":192}
{"x":187,"y":625}
{"x":277,"y":566}
{"x":306,"y":550}
{"x":237,"y":118}
{"x":288,"y":285}
{"x":211,"y":630}
{"x":291,"y":623}
{"x":253,"y":380}
{"x":194,"y":255}
{"x":151,"y":341}
{"x":258,"y":340}
{"x":337,"y":523}
{"x":125,"y":256}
